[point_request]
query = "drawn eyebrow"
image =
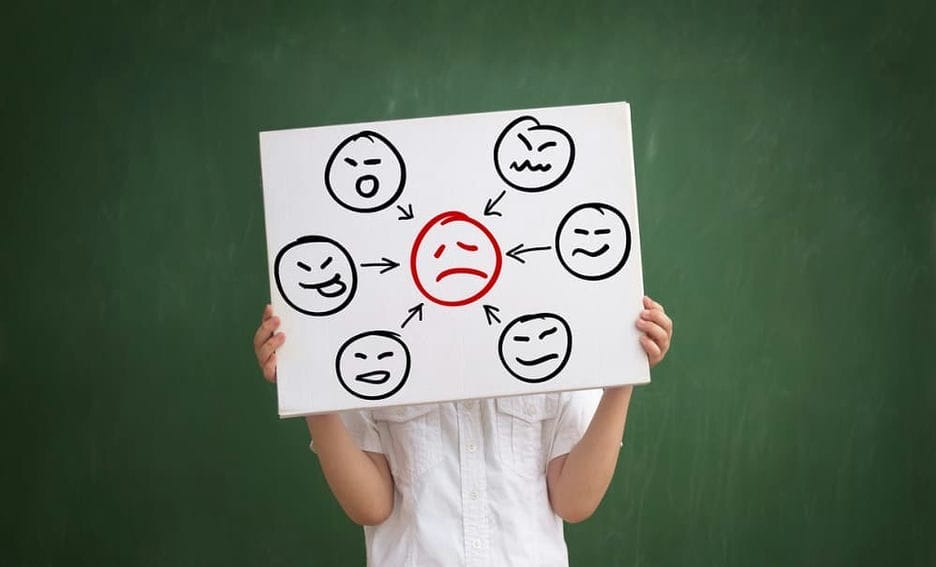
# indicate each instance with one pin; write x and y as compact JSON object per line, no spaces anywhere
{"x":350,"y":162}
{"x":525,"y":142}
{"x":326,"y":262}
{"x":603,"y":231}
{"x":304,"y":266}
{"x":546,"y":333}
{"x":384,"y":355}
{"x":360,"y":355}
{"x":545,"y":145}
{"x":372,"y":161}
{"x":439,"y":250}
{"x":522,"y":339}
{"x":580,"y":231}
{"x":468,"y":247}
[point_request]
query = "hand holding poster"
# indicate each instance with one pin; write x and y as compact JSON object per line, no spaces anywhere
{"x":456,"y":257}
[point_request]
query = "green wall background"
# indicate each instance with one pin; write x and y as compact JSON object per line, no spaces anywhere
{"x":785,"y":173}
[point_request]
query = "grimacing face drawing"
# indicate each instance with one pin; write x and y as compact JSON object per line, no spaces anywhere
{"x":455,"y":259}
{"x":365,"y":173}
{"x":535,"y":348}
{"x":533,"y":157}
{"x":373,"y":365}
{"x":315,"y":275}
{"x":593,"y":241}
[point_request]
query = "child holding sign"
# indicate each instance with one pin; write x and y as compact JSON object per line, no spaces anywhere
{"x":479,"y":482}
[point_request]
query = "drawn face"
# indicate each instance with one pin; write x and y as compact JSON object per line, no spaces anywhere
{"x":315,"y":275}
{"x":455,"y":259}
{"x":535,"y":348}
{"x":373,"y":365}
{"x":365,"y":173}
{"x":533,"y":157}
{"x":593,"y":241}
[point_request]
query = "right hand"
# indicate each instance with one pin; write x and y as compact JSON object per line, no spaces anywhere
{"x":266,"y":341}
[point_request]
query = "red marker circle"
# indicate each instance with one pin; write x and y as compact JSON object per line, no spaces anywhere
{"x":460,"y":270}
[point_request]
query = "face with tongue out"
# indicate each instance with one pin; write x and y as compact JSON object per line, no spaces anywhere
{"x":315,"y":275}
{"x":365,"y":173}
{"x":533,"y":157}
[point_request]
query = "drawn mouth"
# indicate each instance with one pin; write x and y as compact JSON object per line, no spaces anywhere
{"x":527,"y":165}
{"x":536,"y":361}
{"x":332,"y":287}
{"x":591,"y":254}
{"x":371,"y":377}
{"x":367,"y":185}
{"x":466,"y":271}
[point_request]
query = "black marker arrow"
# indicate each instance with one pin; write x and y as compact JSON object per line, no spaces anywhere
{"x":490,"y":312}
{"x":519,"y":249}
{"x":407,"y":212}
{"x":385,"y":263}
{"x":489,"y":207}
{"x":416,"y":310}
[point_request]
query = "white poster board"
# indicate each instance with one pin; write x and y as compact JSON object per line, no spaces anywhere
{"x":454,"y":257}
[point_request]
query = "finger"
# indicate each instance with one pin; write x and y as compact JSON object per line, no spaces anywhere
{"x":267,"y":312}
{"x":658,"y":317}
{"x":652,"y":349}
{"x":269,"y":368}
{"x":268,"y":348}
{"x":649,"y":303}
{"x":658,"y":334}
{"x":265,"y":330}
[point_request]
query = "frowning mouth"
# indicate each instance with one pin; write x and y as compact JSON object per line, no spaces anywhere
{"x":536,"y":361}
{"x":373,"y":377}
{"x":456,"y":271}
{"x":332,"y":287}
{"x":532,"y":167}
{"x":591,"y":254}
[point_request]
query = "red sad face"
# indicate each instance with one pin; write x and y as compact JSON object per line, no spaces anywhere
{"x":455,"y":259}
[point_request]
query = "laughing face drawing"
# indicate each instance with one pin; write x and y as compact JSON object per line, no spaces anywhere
{"x":315,"y":275}
{"x":455,"y":259}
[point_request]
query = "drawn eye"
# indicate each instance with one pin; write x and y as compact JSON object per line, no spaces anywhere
{"x":603,"y":231}
{"x":468,"y":247}
{"x":360,"y":355}
{"x":526,"y":142}
{"x":304,"y":266}
{"x":546,"y":333}
{"x":439,"y":251}
{"x":545,"y":145}
{"x":372,"y":161}
{"x":522,"y":339}
{"x":581,"y":231}
{"x":350,"y":162}
{"x":384,"y":355}
{"x":326,"y":262}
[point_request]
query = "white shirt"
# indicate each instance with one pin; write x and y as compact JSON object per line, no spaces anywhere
{"x":470,"y":479}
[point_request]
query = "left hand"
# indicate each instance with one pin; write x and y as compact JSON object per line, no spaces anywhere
{"x":657,"y":330}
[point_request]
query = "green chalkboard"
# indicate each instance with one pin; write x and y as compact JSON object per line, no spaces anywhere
{"x":784,"y":156}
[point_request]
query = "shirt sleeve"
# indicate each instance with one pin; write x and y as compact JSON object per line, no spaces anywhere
{"x":363,"y":430}
{"x":576,"y":410}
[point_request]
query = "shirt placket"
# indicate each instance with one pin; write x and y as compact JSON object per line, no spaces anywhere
{"x":473,"y":484}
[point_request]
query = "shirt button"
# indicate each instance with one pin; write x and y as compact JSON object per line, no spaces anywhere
{"x":470,"y":404}
{"x":473,"y":495}
{"x":471,"y":447}
{"x":477,"y":544}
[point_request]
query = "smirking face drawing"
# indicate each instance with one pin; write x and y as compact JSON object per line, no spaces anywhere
{"x":533,"y":157}
{"x":373,"y":365}
{"x":315,"y":275}
{"x":365,"y":173}
{"x":535,"y":348}
{"x":455,"y":259}
{"x":593,"y":241}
